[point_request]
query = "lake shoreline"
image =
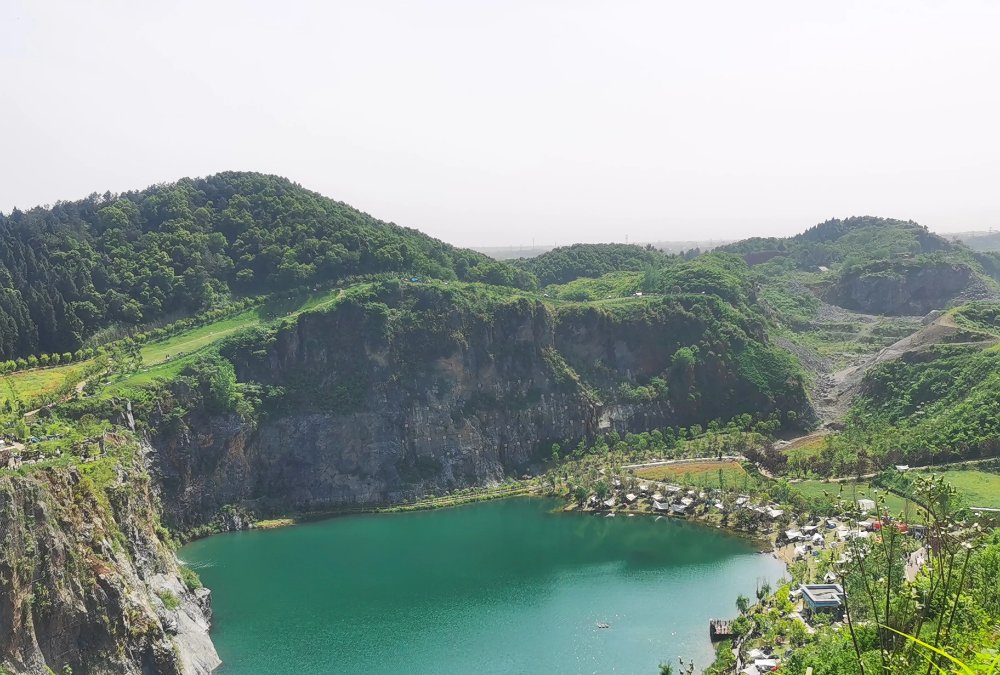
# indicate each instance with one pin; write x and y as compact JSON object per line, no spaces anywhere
{"x":475,"y":554}
{"x":764,"y":542}
{"x":471,"y":496}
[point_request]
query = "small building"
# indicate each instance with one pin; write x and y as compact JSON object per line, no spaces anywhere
{"x":817,"y":539}
{"x":630,"y":498}
{"x":775,"y":513}
{"x":657,"y":497}
{"x":793,"y":535}
{"x":687,"y":501}
{"x":902,"y":467}
{"x":866,"y":505}
{"x":610,"y":502}
{"x":678,"y":509}
{"x":823,"y":597}
{"x":661,"y":506}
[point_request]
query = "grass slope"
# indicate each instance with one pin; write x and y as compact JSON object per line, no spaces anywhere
{"x":31,"y":384}
{"x":167,"y":358}
{"x":851,"y":491}
{"x":701,"y":474}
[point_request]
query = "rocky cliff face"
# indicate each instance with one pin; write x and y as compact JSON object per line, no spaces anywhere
{"x":903,"y":289}
{"x":86,"y":584}
{"x":373,"y":408}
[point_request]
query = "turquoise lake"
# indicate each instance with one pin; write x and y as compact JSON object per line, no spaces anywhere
{"x":499,"y":587}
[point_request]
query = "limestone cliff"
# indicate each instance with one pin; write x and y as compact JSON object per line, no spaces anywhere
{"x":86,"y":583}
{"x":414,"y":392}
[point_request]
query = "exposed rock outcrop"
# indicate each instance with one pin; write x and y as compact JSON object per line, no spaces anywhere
{"x":87,"y":584}
{"x":372,"y":412}
{"x":903,"y":289}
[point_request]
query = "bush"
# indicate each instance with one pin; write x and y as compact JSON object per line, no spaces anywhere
{"x":169,"y":600}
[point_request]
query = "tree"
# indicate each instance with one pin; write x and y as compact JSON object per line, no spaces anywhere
{"x":763,"y":590}
{"x":742,"y":603}
{"x":602,"y":489}
{"x":877,"y":591}
{"x":124,"y":356}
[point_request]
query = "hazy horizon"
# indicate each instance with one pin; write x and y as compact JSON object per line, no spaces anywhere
{"x":501,"y":125}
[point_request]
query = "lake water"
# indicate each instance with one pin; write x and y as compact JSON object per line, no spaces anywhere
{"x":499,"y":587}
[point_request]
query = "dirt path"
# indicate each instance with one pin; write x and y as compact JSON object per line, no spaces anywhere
{"x":834,"y":391}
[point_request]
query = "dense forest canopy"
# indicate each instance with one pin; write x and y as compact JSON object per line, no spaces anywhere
{"x":132,"y":258}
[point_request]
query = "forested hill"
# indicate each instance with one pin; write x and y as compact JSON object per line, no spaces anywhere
{"x":567,"y":263}
{"x":132,"y":258}
{"x":860,"y":238}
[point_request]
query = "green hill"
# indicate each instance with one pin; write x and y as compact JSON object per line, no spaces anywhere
{"x":566,"y":263}
{"x":133,"y":258}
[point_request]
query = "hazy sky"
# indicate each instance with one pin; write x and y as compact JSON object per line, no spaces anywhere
{"x":502,"y":122}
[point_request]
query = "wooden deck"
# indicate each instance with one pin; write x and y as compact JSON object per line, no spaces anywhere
{"x":719,"y":629}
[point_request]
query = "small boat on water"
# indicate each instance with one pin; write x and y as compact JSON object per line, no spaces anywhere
{"x":603,"y":625}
